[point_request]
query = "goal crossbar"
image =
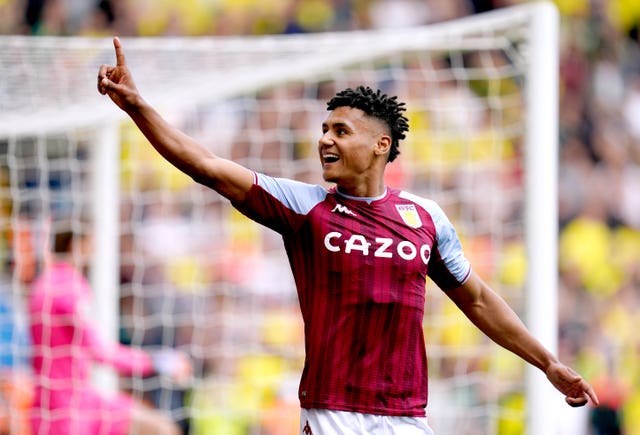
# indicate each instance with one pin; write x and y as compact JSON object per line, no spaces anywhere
{"x":243,"y":63}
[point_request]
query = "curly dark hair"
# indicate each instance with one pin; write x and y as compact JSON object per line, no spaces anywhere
{"x":378,"y":105}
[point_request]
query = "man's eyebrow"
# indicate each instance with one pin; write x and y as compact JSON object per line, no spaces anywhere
{"x":336,"y":124}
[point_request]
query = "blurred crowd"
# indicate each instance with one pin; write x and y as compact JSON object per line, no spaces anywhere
{"x":599,"y":178}
{"x":221,"y":17}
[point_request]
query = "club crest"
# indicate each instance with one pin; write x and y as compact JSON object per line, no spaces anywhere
{"x":409,"y":215}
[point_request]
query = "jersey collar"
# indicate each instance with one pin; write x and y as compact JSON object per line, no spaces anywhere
{"x":367,"y":199}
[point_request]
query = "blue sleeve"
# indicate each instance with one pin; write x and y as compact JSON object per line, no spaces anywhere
{"x":280,"y":204}
{"x":299,"y":197}
{"x":449,"y":250}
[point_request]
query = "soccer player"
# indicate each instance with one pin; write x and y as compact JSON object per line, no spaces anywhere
{"x":360,"y":253}
{"x":65,"y":346}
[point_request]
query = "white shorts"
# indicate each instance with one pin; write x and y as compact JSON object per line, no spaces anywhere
{"x":327,"y":422}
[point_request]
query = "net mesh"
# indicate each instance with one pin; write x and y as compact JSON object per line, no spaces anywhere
{"x":196,"y":275}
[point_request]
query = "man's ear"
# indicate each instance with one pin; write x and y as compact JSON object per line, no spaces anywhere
{"x":383,"y":146}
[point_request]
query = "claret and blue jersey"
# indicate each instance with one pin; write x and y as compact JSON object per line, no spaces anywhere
{"x":360,"y":267}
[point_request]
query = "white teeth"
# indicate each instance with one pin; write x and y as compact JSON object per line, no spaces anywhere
{"x":330,"y":157}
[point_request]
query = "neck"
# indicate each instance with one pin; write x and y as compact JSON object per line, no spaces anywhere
{"x":362,"y":191}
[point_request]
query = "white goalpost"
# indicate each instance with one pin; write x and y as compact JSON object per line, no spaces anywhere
{"x":175,"y":266}
{"x":541,"y":217}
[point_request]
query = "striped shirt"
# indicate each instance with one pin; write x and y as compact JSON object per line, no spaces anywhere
{"x":360,"y":267}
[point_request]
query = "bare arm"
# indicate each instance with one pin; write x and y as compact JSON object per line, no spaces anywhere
{"x":226,"y":177}
{"x":491,"y":314}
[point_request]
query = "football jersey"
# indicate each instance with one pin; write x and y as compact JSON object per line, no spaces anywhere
{"x":360,"y":267}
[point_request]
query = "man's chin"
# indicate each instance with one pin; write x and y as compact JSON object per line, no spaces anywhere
{"x":329,"y":178}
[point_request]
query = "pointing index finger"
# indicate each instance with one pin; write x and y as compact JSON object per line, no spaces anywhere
{"x":593,"y":396}
{"x":119,"y":52}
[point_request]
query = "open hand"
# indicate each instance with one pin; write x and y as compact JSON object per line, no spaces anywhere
{"x":117,"y":82}
{"x":577,"y":391}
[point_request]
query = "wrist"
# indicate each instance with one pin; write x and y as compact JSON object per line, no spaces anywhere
{"x":548,"y":360}
{"x":135,"y":104}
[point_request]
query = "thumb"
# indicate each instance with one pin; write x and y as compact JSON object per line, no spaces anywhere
{"x":108,"y":85}
{"x":576,"y":401}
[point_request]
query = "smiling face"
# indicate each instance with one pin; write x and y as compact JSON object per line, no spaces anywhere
{"x":353,"y":151}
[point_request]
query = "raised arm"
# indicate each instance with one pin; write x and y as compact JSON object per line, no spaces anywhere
{"x":226,"y":177}
{"x":491,"y":314}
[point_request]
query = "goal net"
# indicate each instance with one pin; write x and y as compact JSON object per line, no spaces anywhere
{"x":174,"y":265}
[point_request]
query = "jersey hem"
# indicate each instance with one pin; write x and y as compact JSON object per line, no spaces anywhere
{"x":366,"y":410}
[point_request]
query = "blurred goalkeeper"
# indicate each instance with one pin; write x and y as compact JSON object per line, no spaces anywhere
{"x":360,"y":254}
{"x":65,"y":346}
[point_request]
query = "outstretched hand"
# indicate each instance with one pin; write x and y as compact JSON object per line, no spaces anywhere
{"x":117,"y":82}
{"x":577,"y":391}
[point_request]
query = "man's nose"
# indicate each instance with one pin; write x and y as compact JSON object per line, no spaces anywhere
{"x":325,"y":139}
